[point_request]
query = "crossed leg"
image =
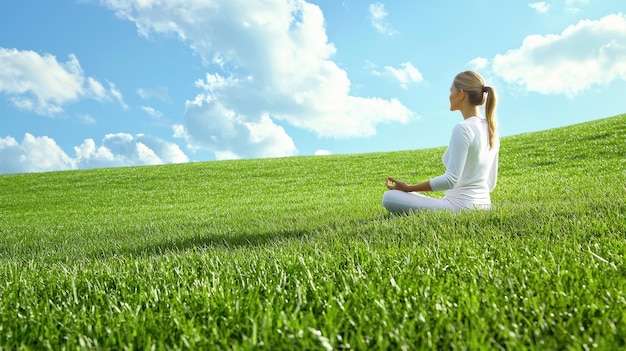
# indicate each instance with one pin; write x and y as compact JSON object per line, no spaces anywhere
{"x":398,"y":202}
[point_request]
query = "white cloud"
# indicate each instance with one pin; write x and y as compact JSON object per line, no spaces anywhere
{"x":586,"y":54}
{"x":42,"y":84}
{"x":160,"y":93}
{"x":212,"y":126}
{"x":33,"y":154}
{"x":42,"y":154}
{"x":86,"y":118}
{"x":322,"y":152}
{"x":270,"y":62}
{"x":405,"y":74}
{"x":478,"y":63}
{"x":116,"y":95}
{"x":378,"y":14}
{"x":154,"y":113}
{"x":122,"y":149}
{"x":226,"y":155}
{"x":540,"y":6}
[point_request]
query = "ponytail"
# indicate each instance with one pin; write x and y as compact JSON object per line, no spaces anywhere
{"x":490,"y":108}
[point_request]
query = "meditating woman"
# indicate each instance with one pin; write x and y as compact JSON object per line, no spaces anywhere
{"x":471,"y":159}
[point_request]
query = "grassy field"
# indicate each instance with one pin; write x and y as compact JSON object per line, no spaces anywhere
{"x":298,"y":253}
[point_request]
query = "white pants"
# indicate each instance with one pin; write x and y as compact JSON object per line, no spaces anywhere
{"x":398,"y":202}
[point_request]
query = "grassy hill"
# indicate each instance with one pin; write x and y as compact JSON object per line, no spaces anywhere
{"x":298,"y":253}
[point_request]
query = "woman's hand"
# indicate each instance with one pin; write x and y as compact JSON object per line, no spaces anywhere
{"x":393,"y":184}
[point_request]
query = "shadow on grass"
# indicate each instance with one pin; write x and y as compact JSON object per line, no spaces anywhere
{"x":156,"y":244}
{"x":208,"y":240}
{"x":200,"y":237}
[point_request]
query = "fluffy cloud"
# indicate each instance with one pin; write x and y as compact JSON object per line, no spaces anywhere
{"x":33,"y":154}
{"x":123,"y":149}
{"x":42,"y":154}
{"x":540,"y":6}
{"x":212,"y":126}
{"x":583,"y":55}
{"x":405,"y":74}
{"x":152,"y":112}
{"x":322,"y":152}
{"x":479,"y":63}
{"x":269,"y":61}
{"x":377,"y":17}
{"x":42,"y":84}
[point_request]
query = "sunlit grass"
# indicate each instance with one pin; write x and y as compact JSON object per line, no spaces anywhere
{"x":297,"y":253}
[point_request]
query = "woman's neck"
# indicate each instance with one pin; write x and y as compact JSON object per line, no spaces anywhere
{"x":470,"y":111}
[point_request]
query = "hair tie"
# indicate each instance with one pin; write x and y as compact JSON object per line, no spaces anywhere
{"x":485,"y":90}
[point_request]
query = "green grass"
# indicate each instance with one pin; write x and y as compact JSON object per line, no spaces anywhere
{"x":298,"y":253}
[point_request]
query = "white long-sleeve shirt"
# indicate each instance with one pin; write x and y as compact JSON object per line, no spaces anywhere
{"x":471,"y":167}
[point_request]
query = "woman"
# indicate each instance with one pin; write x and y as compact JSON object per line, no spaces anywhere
{"x":471,"y":159}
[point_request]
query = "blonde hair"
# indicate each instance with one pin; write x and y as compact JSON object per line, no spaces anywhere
{"x":474,"y":85}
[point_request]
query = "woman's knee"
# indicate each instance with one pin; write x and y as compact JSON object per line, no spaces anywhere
{"x":390,"y":196}
{"x":392,"y":201}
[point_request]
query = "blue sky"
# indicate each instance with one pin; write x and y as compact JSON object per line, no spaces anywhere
{"x":110,"y":83}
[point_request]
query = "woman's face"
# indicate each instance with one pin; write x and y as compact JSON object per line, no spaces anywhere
{"x":455,"y":98}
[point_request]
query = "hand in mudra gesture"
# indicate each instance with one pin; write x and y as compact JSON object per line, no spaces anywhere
{"x":394,"y":184}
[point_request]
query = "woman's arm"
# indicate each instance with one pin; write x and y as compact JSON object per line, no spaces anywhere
{"x":393,"y":184}
{"x":457,"y":156}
